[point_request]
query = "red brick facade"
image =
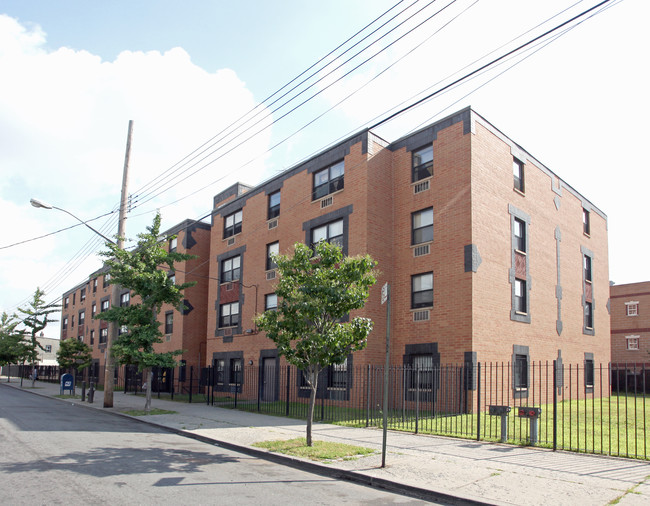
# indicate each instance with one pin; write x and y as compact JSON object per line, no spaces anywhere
{"x":188,"y":330}
{"x":473,"y":259}
{"x":517,"y":258}
{"x":630,"y":308}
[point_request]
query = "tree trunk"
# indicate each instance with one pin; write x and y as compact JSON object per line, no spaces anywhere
{"x":313,"y":383}
{"x":147,"y":403}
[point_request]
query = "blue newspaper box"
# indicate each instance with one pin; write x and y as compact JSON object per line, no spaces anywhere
{"x":67,"y":383}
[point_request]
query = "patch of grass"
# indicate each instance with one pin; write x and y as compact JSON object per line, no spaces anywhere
{"x":154,"y":411}
{"x":321,"y":451}
{"x":67,"y":396}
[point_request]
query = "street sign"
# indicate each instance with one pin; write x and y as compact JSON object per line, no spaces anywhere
{"x":384,"y":293}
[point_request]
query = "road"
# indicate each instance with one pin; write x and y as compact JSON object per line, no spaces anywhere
{"x":54,"y":452}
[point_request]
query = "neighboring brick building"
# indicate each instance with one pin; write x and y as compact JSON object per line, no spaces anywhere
{"x":630,"y":334}
{"x":184,"y":331}
{"x":490,"y":255}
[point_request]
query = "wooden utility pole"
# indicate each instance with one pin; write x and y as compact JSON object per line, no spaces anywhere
{"x":109,"y":369}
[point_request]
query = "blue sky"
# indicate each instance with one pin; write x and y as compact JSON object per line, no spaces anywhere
{"x":75,"y":72}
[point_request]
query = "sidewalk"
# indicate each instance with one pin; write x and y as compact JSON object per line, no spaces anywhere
{"x":442,"y":468}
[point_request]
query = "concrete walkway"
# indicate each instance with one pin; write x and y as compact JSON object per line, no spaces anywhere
{"x":435,"y":468}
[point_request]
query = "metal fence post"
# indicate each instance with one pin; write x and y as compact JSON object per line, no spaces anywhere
{"x":478,"y":401}
{"x":554,"y":405}
{"x":191,"y":378}
{"x":368,"y":396}
{"x":288,"y":389}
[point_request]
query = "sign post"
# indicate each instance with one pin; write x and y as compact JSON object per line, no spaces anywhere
{"x":385,"y":298}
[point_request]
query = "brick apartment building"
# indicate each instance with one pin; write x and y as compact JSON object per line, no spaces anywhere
{"x":630,"y":334}
{"x":490,"y":256}
{"x":185,"y":331}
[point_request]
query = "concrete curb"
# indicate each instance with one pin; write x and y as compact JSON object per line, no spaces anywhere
{"x":303,"y":465}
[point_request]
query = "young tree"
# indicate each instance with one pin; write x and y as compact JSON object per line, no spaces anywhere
{"x":37,"y":316}
{"x":74,"y":354}
{"x":13,"y":348}
{"x":316,"y":291}
{"x":144,"y":272}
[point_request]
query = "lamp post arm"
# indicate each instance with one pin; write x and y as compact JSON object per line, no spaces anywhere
{"x":84,"y":223}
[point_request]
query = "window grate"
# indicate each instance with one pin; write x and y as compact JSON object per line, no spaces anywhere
{"x":420,"y":187}
{"x":231,"y":241}
{"x":422,"y":250}
{"x":270,"y":275}
{"x":421,"y":316}
{"x":326,"y":202}
{"x":273,"y":224}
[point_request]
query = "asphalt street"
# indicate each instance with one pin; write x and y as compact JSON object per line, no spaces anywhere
{"x":62,"y":453}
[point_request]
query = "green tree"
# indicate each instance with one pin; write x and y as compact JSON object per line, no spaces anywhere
{"x":13,"y":348}
{"x":316,"y":291}
{"x":144,"y":271}
{"x":35,"y":319}
{"x":74,"y":354}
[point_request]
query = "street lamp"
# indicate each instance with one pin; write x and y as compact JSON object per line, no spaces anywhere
{"x":44,"y":205}
{"x":115,"y":300}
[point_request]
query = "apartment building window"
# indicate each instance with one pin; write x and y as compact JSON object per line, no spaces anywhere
{"x":231,"y":269}
{"x":588,"y":291}
{"x":229,"y":314}
{"x":92,"y":337}
{"x":328,"y":180}
{"x":82,"y":317}
{"x":82,"y":295}
{"x":518,"y":174}
{"x":169,"y":322}
{"x":520,"y":296}
{"x":173,"y":243}
{"x":232,"y":224}
{"x":589,"y":372}
{"x":74,"y":298}
{"x":330,"y":232}
{"x":586,"y":222}
{"x":72,"y":322}
{"x":632,"y":343}
{"x":122,"y":330}
{"x":103,"y":336}
{"x":270,"y":302}
{"x":235,"y":371}
{"x":589,"y":315}
{"x":519,"y":235}
{"x":422,"y":226}
{"x":421,"y":372}
{"x":272,"y":249}
{"x":586,"y":262}
{"x":422,"y":163}
{"x":64,"y":324}
{"x":95,"y":285}
{"x":107,"y":279}
{"x":66,"y":302}
{"x":104,"y":305}
{"x":521,"y":372}
{"x":93,"y":309}
{"x":274,"y":205}
{"x":632,"y":308}
{"x":172,"y":278}
{"x":125,"y":299}
{"x":422,"y":290}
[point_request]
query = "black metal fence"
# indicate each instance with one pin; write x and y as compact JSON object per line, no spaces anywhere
{"x":590,"y":408}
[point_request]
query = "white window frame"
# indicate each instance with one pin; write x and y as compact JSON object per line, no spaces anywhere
{"x":632,"y":308}
{"x":632,"y":339}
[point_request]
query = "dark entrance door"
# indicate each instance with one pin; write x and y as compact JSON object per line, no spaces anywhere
{"x":269,"y":386}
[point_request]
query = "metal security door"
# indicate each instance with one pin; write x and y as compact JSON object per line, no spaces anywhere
{"x":269,"y":384}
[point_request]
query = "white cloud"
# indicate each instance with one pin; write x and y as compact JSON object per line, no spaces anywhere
{"x":63,"y":125}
